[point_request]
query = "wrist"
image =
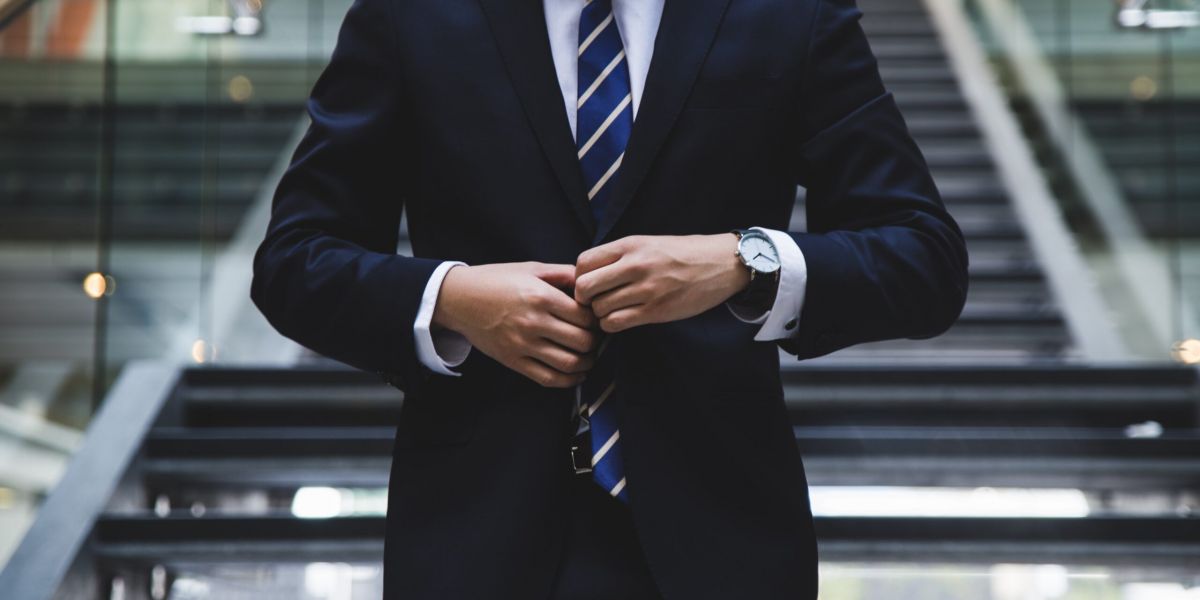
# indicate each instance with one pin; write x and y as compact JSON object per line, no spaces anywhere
{"x":759,"y":257}
{"x":737,"y":274}
{"x":445,"y":308}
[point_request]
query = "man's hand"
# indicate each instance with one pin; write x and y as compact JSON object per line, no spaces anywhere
{"x":520,"y":315}
{"x":657,"y":279}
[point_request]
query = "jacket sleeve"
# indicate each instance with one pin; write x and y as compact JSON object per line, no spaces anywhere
{"x":885,"y":260}
{"x":327,"y":274}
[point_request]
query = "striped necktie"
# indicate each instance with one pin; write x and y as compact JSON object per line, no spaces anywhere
{"x":604,"y":108}
{"x":604,"y":119}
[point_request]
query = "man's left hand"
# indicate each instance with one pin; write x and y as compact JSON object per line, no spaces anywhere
{"x":645,"y":279}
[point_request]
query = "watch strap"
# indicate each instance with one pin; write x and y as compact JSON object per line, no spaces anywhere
{"x":759,"y":296}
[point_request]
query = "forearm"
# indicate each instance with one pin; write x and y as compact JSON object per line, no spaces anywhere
{"x":875,"y":285}
{"x":327,"y":274}
{"x":341,"y":300}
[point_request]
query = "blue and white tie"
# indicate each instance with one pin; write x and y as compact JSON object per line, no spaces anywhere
{"x":604,"y":109}
{"x":604,"y":119}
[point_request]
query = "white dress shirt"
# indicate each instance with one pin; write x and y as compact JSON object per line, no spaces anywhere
{"x":637,"y":21}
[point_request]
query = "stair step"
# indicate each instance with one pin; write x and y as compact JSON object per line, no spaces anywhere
{"x":1049,"y":395}
{"x":136,"y":539}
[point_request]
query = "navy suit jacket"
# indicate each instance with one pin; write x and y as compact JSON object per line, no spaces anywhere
{"x":451,"y":110}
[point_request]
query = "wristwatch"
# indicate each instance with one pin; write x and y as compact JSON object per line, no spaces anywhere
{"x":761,"y":257}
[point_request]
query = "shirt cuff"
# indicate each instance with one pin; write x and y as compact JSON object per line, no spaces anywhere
{"x":781,"y":321}
{"x":443,"y":349}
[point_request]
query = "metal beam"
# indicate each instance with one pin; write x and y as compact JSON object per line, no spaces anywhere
{"x":45,"y":557}
{"x":11,"y":9}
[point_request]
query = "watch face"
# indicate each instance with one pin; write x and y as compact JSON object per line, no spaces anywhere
{"x":759,"y":253}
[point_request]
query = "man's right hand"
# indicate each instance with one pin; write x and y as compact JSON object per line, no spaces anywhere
{"x":524,"y":316}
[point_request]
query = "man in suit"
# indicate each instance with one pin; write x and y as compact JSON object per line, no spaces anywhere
{"x":598,"y":196}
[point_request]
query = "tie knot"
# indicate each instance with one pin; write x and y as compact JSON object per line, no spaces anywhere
{"x":596,"y":9}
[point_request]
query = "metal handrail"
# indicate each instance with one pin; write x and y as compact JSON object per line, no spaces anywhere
{"x":1073,"y":284}
{"x":11,"y":9}
{"x":1137,"y":14}
{"x":46,"y":558}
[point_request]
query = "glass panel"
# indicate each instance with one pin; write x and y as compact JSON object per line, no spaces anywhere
{"x":211,"y":96}
{"x":52,"y":127}
{"x":1118,"y":122}
{"x":134,"y":147}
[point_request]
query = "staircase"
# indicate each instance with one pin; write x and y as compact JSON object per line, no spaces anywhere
{"x":1162,"y":185}
{"x":201,"y":481}
{"x":1011,"y":316}
{"x":1137,"y":94}
{"x":177,"y":165}
{"x":184,"y":174}
{"x":205,"y":478}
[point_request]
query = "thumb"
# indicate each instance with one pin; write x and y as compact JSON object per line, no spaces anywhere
{"x":559,"y":276}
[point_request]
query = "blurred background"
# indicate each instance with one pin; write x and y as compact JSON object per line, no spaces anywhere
{"x":159,"y":440}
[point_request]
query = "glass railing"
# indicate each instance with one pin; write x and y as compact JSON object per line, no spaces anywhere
{"x":1109,"y":93}
{"x":139,"y":142}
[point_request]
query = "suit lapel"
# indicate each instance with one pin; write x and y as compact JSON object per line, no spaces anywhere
{"x":519,"y":27}
{"x":684,"y":37}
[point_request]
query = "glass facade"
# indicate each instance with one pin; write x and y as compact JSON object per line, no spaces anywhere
{"x":1109,"y":94}
{"x":137,"y":140}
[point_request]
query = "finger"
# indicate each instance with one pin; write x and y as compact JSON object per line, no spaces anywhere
{"x":559,"y":276}
{"x":621,"y":297}
{"x":566,"y":334}
{"x":544,"y":375}
{"x":561,"y":359}
{"x":606,"y":278}
{"x":605,"y":254}
{"x":560,"y":305}
{"x":623,"y":319}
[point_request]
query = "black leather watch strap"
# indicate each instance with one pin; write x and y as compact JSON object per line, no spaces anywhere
{"x":759,"y":296}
